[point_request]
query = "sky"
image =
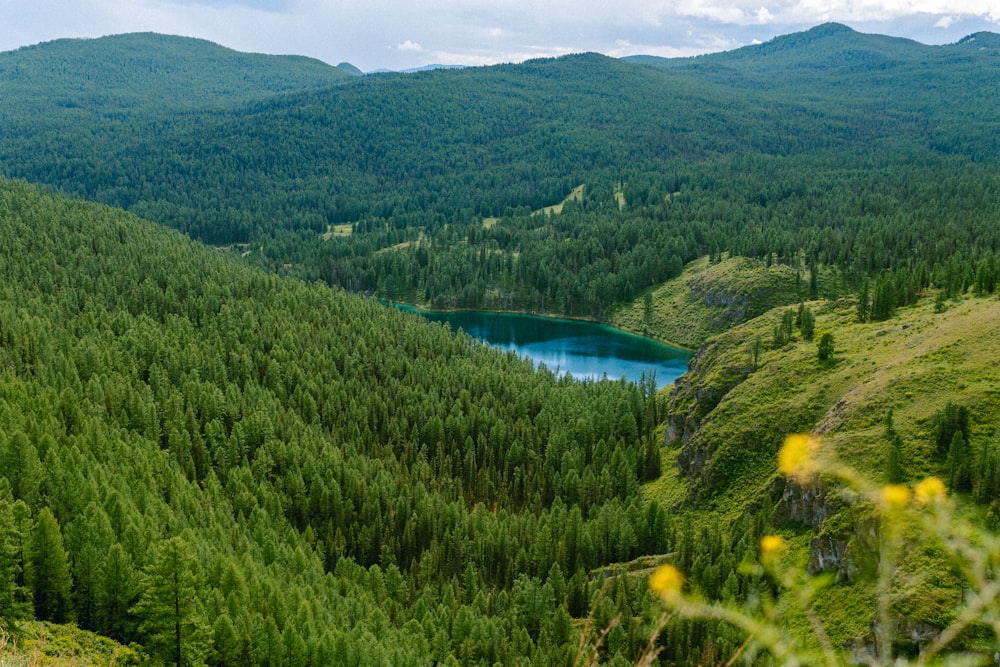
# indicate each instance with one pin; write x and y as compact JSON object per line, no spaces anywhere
{"x":404,"y":34}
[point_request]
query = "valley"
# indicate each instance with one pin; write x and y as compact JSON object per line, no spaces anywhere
{"x":218,"y":446}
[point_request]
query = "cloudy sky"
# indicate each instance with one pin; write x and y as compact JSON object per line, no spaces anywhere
{"x":401,"y":34}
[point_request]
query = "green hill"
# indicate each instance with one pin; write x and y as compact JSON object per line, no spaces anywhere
{"x":316,"y":477}
{"x":708,"y":299}
{"x":326,"y":481}
{"x":90,"y":81}
{"x":913,"y":364}
{"x":906,"y":385}
{"x":827,"y":147}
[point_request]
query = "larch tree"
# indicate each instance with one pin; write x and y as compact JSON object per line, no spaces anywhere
{"x":169,"y":609}
{"x":50,"y":577}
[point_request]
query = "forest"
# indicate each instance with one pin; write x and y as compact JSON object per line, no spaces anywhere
{"x":236,"y":455}
{"x":390,"y":184}
{"x":316,"y":477}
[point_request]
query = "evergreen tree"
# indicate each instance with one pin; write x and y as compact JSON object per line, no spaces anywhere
{"x":959,"y":468}
{"x":50,"y":577}
{"x":894,"y":459}
{"x":864,"y":299}
{"x":117,"y":591}
{"x":946,"y":422}
{"x":824,"y":351}
{"x":88,"y":538}
{"x":12,"y":606}
{"x":807,"y":323}
{"x":169,"y":607}
{"x":758,"y":343}
{"x":988,"y":487}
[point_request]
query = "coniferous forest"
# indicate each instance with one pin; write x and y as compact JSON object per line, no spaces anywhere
{"x":216,"y":448}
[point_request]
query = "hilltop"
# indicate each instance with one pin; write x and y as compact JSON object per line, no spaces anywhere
{"x":141,"y":74}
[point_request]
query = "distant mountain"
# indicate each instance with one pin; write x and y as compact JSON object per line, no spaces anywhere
{"x":144,"y":73}
{"x":981,"y":40}
{"x":350,"y":69}
{"x":386,"y":162}
{"x":413,"y":70}
{"x":822,"y":57}
{"x":430,"y":67}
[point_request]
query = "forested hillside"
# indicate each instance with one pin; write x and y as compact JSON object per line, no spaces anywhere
{"x":825,"y":147}
{"x":318,"y":478}
{"x":237,"y":458}
{"x":86,"y":81}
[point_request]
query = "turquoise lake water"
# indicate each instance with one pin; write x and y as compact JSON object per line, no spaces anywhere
{"x":582,"y":349}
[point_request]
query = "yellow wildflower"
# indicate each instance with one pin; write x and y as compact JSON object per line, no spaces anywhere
{"x":930,"y":491}
{"x":797,"y":457}
{"x":667,"y":582}
{"x":895,"y":496}
{"x":772,"y":545}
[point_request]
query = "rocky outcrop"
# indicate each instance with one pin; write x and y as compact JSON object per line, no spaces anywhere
{"x":909,"y":637}
{"x":828,"y":553}
{"x":694,"y":396}
{"x":809,"y":504}
{"x":730,"y":305}
{"x":739,"y":289}
{"x":846,"y":549}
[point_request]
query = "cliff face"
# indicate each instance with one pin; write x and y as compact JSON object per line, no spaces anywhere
{"x":844,"y":544}
{"x":695,"y":396}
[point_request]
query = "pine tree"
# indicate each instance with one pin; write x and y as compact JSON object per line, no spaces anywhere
{"x":117,"y":591}
{"x":51,"y":581}
{"x":88,"y":537}
{"x":824,"y":351}
{"x":864,"y":301}
{"x":807,"y":323}
{"x":988,"y":487}
{"x":959,"y":470}
{"x":169,"y":608}
{"x":12,"y":606}
{"x":894,"y":460}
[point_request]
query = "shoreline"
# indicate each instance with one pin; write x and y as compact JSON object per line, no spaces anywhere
{"x":551,"y":316}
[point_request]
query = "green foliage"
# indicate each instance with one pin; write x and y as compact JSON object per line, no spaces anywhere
{"x":894,"y":472}
{"x":169,"y":608}
{"x":959,"y":467}
{"x":948,"y":421}
{"x":825,"y":348}
{"x":696,"y":164}
{"x":807,"y":323}
{"x":12,"y":595}
{"x":342,"y":483}
{"x":347,"y":479}
{"x":49,"y":570}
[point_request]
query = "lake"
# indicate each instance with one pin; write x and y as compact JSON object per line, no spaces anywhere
{"x":582,"y":349}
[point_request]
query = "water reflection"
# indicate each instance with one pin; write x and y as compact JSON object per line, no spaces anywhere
{"x":582,"y":349}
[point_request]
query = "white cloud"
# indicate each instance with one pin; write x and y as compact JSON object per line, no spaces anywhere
{"x":945,"y":22}
{"x":409,"y":45}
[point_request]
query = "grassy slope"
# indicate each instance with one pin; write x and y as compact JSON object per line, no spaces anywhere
{"x":707,"y":299}
{"x":913,"y":364}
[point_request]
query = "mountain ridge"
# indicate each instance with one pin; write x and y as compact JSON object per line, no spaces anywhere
{"x":148,"y":72}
